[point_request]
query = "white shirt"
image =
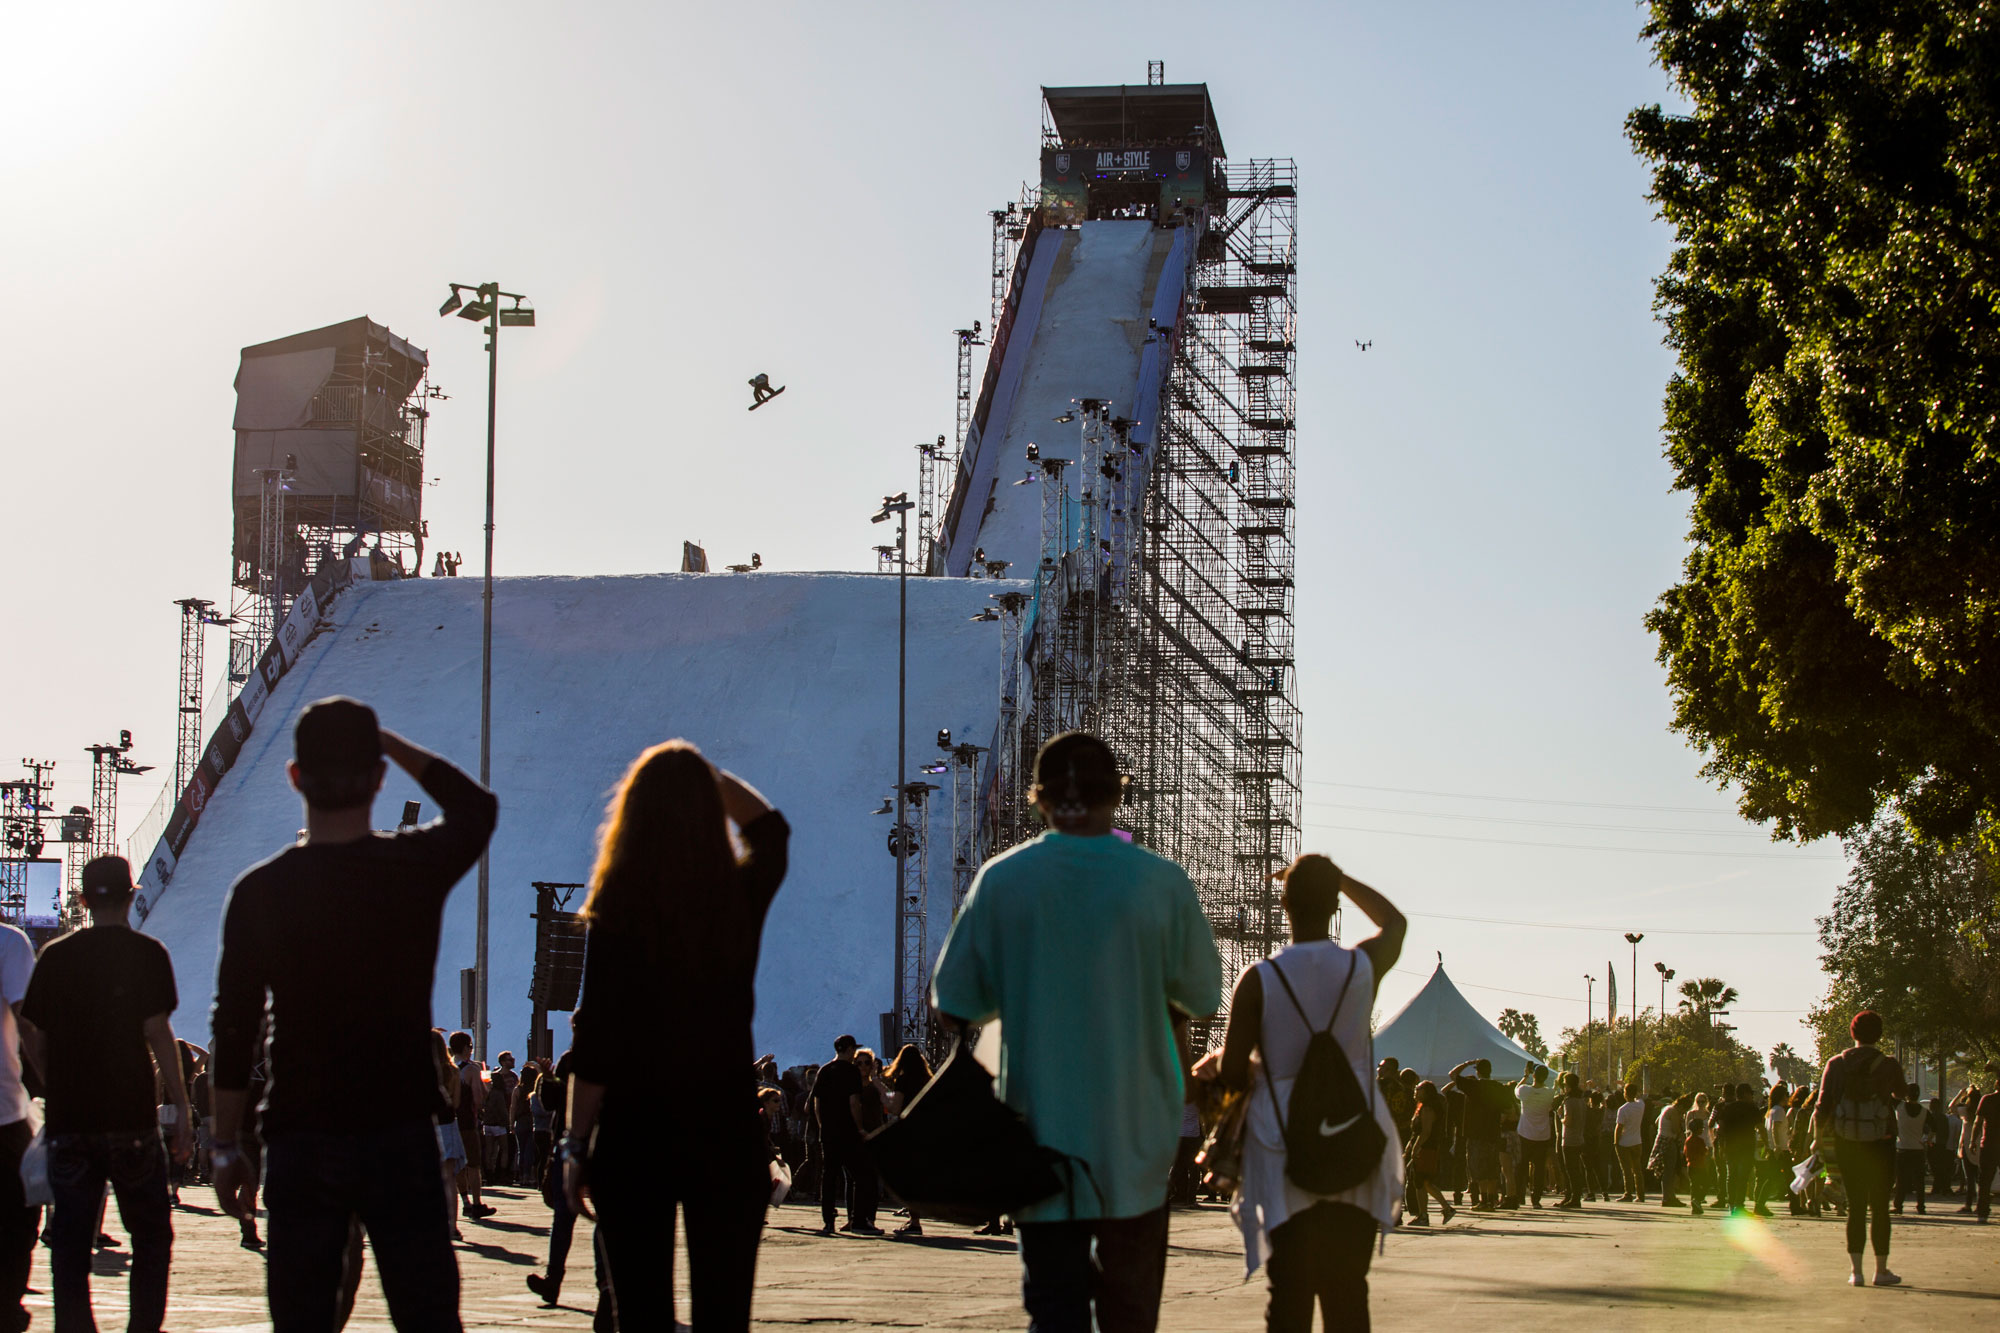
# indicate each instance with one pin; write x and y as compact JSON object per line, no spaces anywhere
{"x":1536,"y":1105}
{"x":1778,"y":1122}
{"x":1266,"y":1198}
{"x":1631,"y":1123}
{"x":17,"y":963}
{"x":1910,"y":1128}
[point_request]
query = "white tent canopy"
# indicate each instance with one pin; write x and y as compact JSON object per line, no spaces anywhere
{"x":1438,"y":1030}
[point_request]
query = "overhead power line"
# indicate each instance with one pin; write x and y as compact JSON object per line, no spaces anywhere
{"x":1542,"y":823}
{"x":1576,"y":846}
{"x":1523,"y":800}
{"x":1560,"y":925}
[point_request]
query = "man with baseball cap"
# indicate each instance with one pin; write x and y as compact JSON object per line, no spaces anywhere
{"x":1091,"y":951}
{"x":339,"y":935}
{"x":97,"y":1011}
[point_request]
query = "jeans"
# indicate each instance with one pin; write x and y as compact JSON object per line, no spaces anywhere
{"x":1865,"y":1168}
{"x":18,"y":1222}
{"x":1909,"y":1176}
{"x":1631,"y":1161}
{"x":391,"y":1178}
{"x":1060,"y":1283}
{"x":846,"y":1173}
{"x":1578,"y":1171}
{"x":1320,"y":1255}
{"x":1537,"y":1152}
{"x":722,"y":1184}
{"x":1979,"y":1190}
{"x":1740,"y":1164}
{"x":135,"y":1166}
{"x":562,"y":1230}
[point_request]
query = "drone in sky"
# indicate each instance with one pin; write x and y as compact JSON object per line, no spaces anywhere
{"x":1364,"y":346}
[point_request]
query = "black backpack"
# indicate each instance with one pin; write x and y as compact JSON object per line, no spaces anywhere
{"x":1332,"y":1142}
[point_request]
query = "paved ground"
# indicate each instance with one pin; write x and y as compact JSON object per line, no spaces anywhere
{"x":1651,"y":1266}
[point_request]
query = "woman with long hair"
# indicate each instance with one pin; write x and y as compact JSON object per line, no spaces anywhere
{"x":674,"y":922}
{"x":908,"y":1074}
{"x":1421,"y":1157}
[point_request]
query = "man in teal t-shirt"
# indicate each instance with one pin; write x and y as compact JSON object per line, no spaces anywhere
{"x":1086,"y":948}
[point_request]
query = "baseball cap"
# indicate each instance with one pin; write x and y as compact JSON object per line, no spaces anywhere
{"x":106,"y":879}
{"x":337,"y":735}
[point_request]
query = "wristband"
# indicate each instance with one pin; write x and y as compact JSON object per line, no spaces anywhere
{"x":572,"y":1150}
{"x":221,"y":1155}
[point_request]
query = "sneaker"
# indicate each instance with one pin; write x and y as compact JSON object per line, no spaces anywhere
{"x":106,"y":1241}
{"x":1762,"y":1211}
{"x":826,"y":1231}
{"x":1887,"y":1279}
{"x":542,"y":1287}
{"x":912,"y":1228}
{"x":480,"y":1210}
{"x":1449,"y":1213}
{"x":1856,"y":1280}
{"x":1420,"y":1220}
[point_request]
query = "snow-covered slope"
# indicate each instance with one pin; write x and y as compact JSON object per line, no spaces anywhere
{"x":789,"y":679}
{"x":1086,"y":300}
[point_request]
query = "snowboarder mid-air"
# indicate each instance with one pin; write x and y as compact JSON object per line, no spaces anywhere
{"x":761,"y":391}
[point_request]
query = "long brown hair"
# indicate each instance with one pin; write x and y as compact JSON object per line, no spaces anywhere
{"x":665,"y":868}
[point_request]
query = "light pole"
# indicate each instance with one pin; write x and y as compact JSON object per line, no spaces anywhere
{"x":1666,"y":975}
{"x":1589,"y":1012}
{"x":1633,"y":940}
{"x":898,"y":506}
{"x":485,"y":305}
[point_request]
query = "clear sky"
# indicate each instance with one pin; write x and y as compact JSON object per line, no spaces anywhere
{"x":691,"y":194}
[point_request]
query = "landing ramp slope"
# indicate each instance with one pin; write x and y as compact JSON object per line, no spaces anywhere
{"x":1091,"y":297}
{"x":789,"y":679}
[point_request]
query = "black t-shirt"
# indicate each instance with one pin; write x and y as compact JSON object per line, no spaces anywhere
{"x":631,"y":993}
{"x":343,"y":937}
{"x":837,"y":1082}
{"x":1482,"y":1111}
{"x":91,"y":994}
{"x":1736,"y":1123}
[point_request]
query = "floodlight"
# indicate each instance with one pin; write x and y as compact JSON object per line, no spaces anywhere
{"x":520,"y":317}
{"x":124,"y":740}
{"x":476,"y":311}
{"x":944,"y":738}
{"x":451,"y":303}
{"x":1034,"y":453}
{"x":987,"y":614}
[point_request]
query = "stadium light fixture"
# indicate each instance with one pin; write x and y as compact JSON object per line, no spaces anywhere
{"x":486,"y":306}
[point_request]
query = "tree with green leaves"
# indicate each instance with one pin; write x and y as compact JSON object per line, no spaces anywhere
{"x":1834,"y":302}
{"x":1791,"y":1067}
{"x":1525,"y":1031}
{"x":1681,"y":1064}
{"x":1914,"y":934}
{"x":1704,"y":997}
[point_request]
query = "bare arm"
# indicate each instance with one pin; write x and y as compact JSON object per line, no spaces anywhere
{"x":36,"y":1046}
{"x":1458,"y":1069}
{"x":1385,"y":946}
{"x":741,"y":802}
{"x":586,"y":1099}
{"x":1246,"y":1024}
{"x":412,"y":759}
{"x":159,"y":1032}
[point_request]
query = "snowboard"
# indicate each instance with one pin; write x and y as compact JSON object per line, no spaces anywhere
{"x":774,"y":393}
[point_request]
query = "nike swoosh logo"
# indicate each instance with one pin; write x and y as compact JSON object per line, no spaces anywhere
{"x":1327,"y":1129}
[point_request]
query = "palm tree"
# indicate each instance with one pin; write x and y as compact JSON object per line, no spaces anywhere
{"x":1791,"y":1067}
{"x":1706,"y":995}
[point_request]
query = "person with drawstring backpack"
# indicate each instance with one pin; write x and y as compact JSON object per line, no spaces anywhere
{"x":1318,"y":1181}
{"x":1855,"y":1118}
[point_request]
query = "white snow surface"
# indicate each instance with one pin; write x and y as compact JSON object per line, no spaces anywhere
{"x":787,"y":679}
{"x":1090,"y":292}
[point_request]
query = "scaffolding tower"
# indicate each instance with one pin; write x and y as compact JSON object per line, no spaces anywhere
{"x":24,"y":804}
{"x":197,"y":614}
{"x":913,"y":1024}
{"x":1162,"y":611}
{"x":108,"y":763}
{"x":329,"y":459}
